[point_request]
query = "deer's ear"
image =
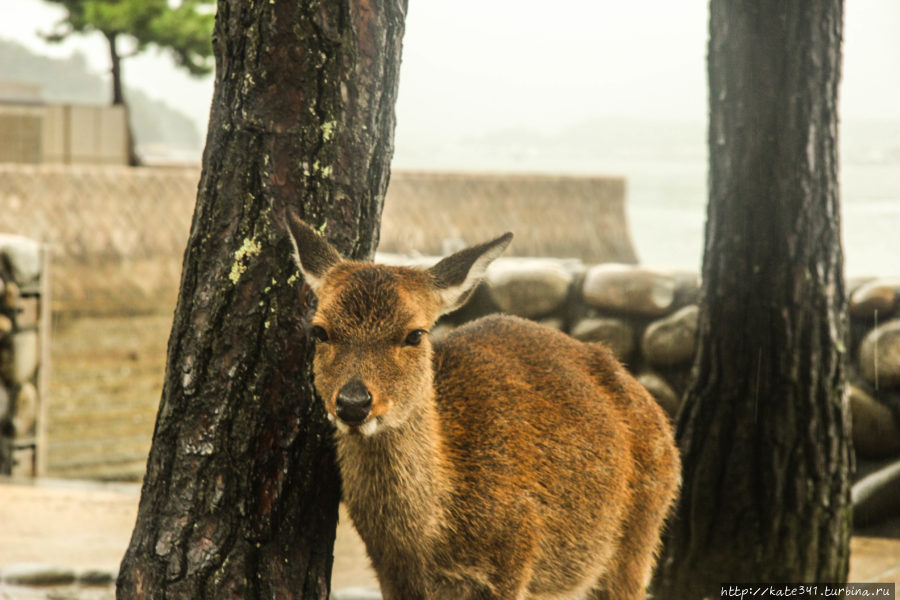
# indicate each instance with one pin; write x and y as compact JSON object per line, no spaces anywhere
{"x":456,"y":276}
{"x":312,"y":253}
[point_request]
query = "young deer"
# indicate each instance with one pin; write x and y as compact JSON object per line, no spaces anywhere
{"x":508,"y":461}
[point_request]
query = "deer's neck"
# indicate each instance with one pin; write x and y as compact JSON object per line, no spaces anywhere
{"x":395,"y":482}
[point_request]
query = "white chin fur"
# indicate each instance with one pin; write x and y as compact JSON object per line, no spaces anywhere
{"x":368,"y":428}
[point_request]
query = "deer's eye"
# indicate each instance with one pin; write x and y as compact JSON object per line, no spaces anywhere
{"x":318,"y":333}
{"x":414,"y":338}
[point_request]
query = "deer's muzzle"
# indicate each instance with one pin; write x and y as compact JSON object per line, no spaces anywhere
{"x":353,"y":403}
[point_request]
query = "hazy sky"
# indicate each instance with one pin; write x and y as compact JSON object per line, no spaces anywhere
{"x":471,"y":66}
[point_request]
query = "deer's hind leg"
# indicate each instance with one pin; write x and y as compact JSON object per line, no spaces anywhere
{"x":630,"y":570}
{"x":631,"y":567}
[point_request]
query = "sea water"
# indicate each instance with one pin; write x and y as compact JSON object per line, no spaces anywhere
{"x":666,"y":196}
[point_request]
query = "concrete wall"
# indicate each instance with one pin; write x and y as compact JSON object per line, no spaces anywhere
{"x":63,"y":133}
{"x":21,"y":129}
{"x":582,"y":217}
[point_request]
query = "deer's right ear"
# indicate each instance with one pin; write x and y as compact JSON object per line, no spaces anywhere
{"x":313,"y":254}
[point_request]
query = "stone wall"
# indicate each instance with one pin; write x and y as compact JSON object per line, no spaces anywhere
{"x":117,"y":234}
{"x":551,"y":215}
{"x":21,"y":267}
{"x":649,"y":319}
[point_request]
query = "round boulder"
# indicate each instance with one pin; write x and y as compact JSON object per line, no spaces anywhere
{"x":629,"y":289}
{"x":879,"y":355}
{"x":875,"y":431}
{"x":877,"y":496}
{"x":23,"y":255}
{"x":37,"y":574}
{"x":11,"y":295}
{"x":96,"y":577}
{"x":5,"y":404}
{"x":26,"y":410}
{"x":660,"y":389}
{"x":6,"y":326}
{"x":529,"y":288}
{"x":26,"y":356}
{"x":440,"y":331}
{"x":879,"y":296}
{"x":553,"y":323}
{"x":672,"y":341}
{"x":358,"y":593}
{"x":615,"y":333}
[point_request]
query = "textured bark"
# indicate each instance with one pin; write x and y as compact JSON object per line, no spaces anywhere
{"x":764,"y":430}
{"x":241,"y":491}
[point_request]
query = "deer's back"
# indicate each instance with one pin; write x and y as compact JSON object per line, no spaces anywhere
{"x":548,"y":435}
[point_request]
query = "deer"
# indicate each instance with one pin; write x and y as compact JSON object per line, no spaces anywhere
{"x":506,"y":461}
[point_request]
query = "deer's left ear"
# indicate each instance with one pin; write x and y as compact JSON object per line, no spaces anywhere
{"x":456,"y":276}
{"x":313,"y":254}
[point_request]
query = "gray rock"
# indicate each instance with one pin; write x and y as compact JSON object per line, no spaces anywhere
{"x":479,"y":304}
{"x":879,"y":355}
{"x":615,"y":333}
{"x":26,"y":410}
{"x":96,"y":577}
{"x":553,"y":323}
{"x":6,"y":326}
{"x":356,"y":594}
{"x":24,"y":359}
{"x":33,"y":573}
{"x":687,"y":287}
{"x":440,"y":331}
{"x":879,"y":296}
{"x":529,"y":288}
{"x":629,"y":289}
{"x":29,"y":312}
{"x":854,"y":283}
{"x":24,"y":257}
{"x":877,"y":496}
{"x":875,"y":431}
{"x":660,"y":389}
{"x":672,"y":341}
{"x":11,"y":295}
{"x":5,"y":405}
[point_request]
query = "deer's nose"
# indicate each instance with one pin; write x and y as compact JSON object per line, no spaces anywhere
{"x":353,"y":403}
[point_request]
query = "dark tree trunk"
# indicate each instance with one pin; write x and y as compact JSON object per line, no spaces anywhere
{"x":241,"y":491}
{"x":764,"y":431}
{"x":118,"y":97}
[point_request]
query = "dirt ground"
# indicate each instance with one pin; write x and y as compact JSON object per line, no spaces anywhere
{"x":87,"y":526}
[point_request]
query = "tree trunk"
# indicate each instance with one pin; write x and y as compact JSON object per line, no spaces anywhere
{"x":764,"y":431}
{"x":118,"y":97}
{"x":241,"y":491}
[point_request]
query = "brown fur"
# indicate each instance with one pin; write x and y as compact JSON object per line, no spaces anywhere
{"x":507,"y":462}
